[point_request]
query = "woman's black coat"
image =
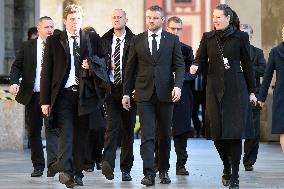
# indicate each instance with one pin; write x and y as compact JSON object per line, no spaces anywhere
{"x":227,"y":92}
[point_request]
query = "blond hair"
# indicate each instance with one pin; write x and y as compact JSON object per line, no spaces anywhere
{"x":72,"y":8}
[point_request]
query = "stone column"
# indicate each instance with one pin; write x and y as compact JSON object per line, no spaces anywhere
{"x":2,"y":38}
{"x":9,"y":35}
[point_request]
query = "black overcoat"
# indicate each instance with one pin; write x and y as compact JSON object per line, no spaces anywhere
{"x":227,"y":91}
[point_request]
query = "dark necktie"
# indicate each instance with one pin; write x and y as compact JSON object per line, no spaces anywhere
{"x":42,"y":52}
{"x":154,"y":46}
{"x":116,"y":60}
{"x":76,"y":54}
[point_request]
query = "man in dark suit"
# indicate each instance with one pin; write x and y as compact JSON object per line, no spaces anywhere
{"x":64,"y":76}
{"x":119,"y":121}
{"x":28,"y":67}
{"x":251,"y":145}
{"x":156,"y":65}
{"x":183,"y":109}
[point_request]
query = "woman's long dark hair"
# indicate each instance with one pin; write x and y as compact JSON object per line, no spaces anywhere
{"x":234,"y":19}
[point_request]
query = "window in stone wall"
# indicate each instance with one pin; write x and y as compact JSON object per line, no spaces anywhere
{"x":183,"y":1}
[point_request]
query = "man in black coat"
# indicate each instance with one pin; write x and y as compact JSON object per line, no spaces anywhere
{"x":64,"y":93}
{"x":183,"y":109}
{"x":28,"y":67}
{"x":251,"y":145}
{"x":120,"y":122}
{"x":153,"y":58}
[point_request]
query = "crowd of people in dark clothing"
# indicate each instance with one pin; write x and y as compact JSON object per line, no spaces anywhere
{"x":87,"y":91}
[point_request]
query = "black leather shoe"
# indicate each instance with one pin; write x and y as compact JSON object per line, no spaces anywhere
{"x":107,"y":170}
{"x":37,"y":173}
{"x":148,"y":181}
{"x":226,"y":179}
{"x":182,"y":171}
{"x":126,"y":176}
{"x":234,"y":184}
{"x":98,"y":165}
{"x":78,"y":181}
{"x":52,"y":170}
{"x":165,"y":179}
{"x":67,"y":180}
{"x":248,"y":167}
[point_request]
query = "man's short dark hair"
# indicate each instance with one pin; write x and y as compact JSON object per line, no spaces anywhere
{"x":44,"y":18}
{"x":156,"y":8}
{"x":174,"y":19}
{"x":32,"y":31}
{"x":89,"y":29}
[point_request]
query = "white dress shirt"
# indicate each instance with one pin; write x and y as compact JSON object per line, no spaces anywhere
{"x":39,"y":58}
{"x":122,"y":41}
{"x":71,"y":78}
{"x":158,"y":39}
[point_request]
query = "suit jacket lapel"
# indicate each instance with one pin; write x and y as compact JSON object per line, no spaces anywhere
{"x":64,"y":43}
{"x":34,"y":50}
{"x":83,"y":45}
{"x":34,"y":54}
{"x":146,"y":47}
{"x":162,"y":44}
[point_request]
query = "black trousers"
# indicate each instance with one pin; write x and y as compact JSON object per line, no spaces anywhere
{"x":199,"y":98}
{"x":95,"y":145}
{"x":34,"y":124}
{"x":230,"y":152}
{"x":180,"y":143}
{"x":152,"y":113}
{"x":73,"y":131}
{"x":251,"y":146}
{"x":119,"y":122}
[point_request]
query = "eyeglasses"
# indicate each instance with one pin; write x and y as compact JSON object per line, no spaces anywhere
{"x":178,"y":29}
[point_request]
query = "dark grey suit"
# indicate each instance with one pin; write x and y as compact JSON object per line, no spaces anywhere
{"x":154,"y":81}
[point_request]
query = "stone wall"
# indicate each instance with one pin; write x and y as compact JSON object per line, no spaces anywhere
{"x":98,"y":13}
{"x":11,"y":125}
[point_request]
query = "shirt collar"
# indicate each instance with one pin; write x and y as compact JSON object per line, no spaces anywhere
{"x":158,"y":33}
{"x":121,"y":37}
{"x":69,"y":35}
{"x":39,"y":40}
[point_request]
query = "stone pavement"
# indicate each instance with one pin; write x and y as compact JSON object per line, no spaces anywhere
{"x":203,"y":163}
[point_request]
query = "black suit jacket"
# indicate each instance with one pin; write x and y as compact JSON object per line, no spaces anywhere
{"x":188,"y":58}
{"x":259,"y":65}
{"x":149,"y":73}
{"x":24,"y":67}
{"x":56,"y":66}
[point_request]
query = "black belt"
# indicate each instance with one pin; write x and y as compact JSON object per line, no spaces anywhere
{"x":73,"y":88}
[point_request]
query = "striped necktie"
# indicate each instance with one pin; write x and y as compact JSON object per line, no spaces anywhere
{"x":76,"y":54}
{"x":42,"y":52}
{"x":116,"y":59}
